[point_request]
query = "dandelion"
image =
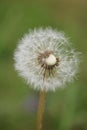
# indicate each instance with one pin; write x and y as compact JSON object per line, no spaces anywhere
{"x":46,"y":60}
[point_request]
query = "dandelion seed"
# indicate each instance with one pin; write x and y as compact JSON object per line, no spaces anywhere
{"x":45,"y":59}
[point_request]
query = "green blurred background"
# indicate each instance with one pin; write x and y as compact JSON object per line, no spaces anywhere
{"x":65,"y":109}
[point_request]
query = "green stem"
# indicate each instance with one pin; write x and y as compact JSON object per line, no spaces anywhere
{"x":41,"y":110}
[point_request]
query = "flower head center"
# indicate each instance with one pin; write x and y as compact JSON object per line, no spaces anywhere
{"x":50,"y":60}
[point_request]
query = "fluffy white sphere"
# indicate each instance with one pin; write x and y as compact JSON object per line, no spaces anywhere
{"x":45,"y":59}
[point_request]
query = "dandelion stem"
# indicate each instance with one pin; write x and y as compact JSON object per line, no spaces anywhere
{"x":40,"y":110}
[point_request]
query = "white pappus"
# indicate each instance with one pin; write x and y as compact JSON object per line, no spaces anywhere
{"x":45,"y":59}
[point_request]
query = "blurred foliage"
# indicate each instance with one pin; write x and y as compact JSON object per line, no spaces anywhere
{"x":66,"y":109}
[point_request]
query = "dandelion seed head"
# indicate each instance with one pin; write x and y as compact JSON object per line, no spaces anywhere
{"x":45,"y":59}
